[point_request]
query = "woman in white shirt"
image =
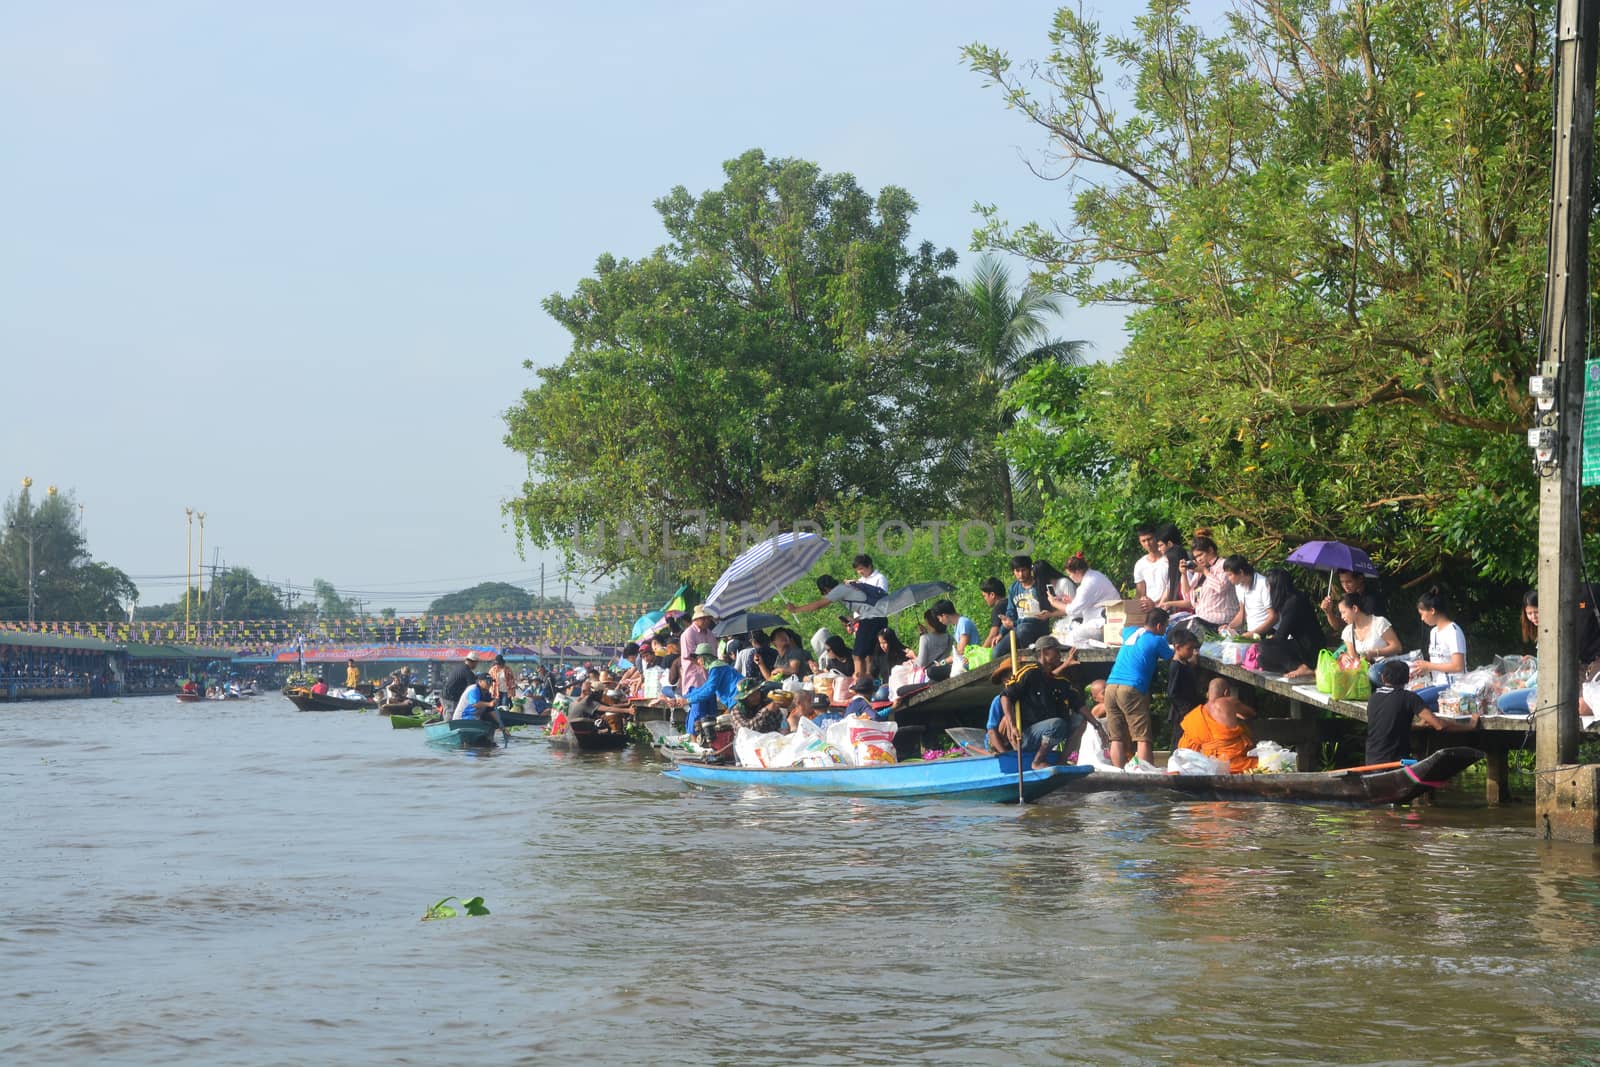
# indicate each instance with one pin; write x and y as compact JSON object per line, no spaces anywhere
{"x":1447,"y":649}
{"x":1085,"y":610}
{"x":1370,"y":636}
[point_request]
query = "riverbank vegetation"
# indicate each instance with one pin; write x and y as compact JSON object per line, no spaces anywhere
{"x":1327,"y":223}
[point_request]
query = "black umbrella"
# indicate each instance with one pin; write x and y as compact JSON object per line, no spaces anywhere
{"x":909,"y":596}
{"x":744,"y":622}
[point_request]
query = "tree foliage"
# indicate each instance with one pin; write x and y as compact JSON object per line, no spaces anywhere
{"x":67,"y":583}
{"x":492,"y":596}
{"x":1007,"y":334}
{"x":784,"y":353}
{"x":1328,"y":222}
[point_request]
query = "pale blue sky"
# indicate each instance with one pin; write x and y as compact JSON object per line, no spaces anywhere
{"x":283,"y":262}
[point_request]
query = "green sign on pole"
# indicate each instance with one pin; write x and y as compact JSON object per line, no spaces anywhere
{"x":1591,"y":423}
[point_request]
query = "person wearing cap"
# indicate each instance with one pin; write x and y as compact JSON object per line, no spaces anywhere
{"x":720,"y":684}
{"x":754,"y":709}
{"x":465,"y":674}
{"x":697,"y":634}
{"x":477,"y":702}
{"x":1128,"y":687}
{"x":1048,"y":706}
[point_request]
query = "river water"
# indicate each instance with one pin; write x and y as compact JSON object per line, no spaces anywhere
{"x":243,"y":884}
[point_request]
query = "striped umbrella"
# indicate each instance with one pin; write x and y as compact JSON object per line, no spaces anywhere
{"x":763,"y":570}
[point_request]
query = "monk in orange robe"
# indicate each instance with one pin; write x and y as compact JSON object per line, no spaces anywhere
{"x":1217,"y":728}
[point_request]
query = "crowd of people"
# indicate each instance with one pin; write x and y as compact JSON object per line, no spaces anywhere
{"x":1180,"y":593}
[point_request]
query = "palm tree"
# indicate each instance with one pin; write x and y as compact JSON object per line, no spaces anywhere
{"x":1009,"y":337}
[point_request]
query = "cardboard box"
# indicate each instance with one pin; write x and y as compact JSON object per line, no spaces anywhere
{"x":1123,"y":614}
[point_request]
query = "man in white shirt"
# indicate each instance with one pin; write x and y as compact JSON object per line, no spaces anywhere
{"x":1150,"y":573}
{"x":867,"y":573}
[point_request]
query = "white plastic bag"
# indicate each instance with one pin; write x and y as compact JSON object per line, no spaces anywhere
{"x":1091,"y":753}
{"x":902,"y":674}
{"x":1135,"y":765}
{"x":1188,"y":761}
{"x":1273,"y":758}
{"x":958,"y":665}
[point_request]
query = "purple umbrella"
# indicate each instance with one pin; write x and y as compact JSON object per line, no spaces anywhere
{"x":1333,"y":556}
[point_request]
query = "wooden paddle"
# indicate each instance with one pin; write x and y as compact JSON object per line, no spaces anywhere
{"x":1013,"y":659}
{"x":1396,"y":765}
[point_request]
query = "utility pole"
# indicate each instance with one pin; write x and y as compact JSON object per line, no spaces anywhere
{"x":541,"y":583}
{"x":1566,"y":803}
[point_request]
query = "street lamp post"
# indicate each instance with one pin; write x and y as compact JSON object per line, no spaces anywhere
{"x":188,"y":568}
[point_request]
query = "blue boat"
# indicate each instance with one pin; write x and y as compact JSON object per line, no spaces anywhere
{"x":456,"y":733}
{"x":992,"y":778}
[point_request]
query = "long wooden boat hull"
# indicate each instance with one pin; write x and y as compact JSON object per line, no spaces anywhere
{"x":460,"y":733}
{"x":1379,"y":787}
{"x":405,"y":722}
{"x":189,"y":698}
{"x":398,"y":707}
{"x":311,"y":702}
{"x":989,"y":778}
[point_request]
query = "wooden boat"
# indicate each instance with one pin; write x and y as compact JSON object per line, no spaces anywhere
{"x":524,"y":718}
{"x":189,"y":698}
{"x":1389,"y":786}
{"x":405,"y":722}
{"x":992,"y":778}
{"x":460,"y":733}
{"x":306,"y":700}
{"x":398,"y":707}
{"x":587,"y":737}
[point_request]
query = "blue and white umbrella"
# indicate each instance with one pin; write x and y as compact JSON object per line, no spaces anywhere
{"x":763,"y":570}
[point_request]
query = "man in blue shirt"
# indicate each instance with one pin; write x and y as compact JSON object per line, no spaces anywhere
{"x":1128,"y":687}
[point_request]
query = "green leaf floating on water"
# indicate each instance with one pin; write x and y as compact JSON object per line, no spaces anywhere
{"x":443,"y":910}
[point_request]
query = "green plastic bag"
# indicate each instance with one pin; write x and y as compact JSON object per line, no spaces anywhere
{"x":1327,"y":667}
{"x":978,"y":656}
{"x":1351,"y":683}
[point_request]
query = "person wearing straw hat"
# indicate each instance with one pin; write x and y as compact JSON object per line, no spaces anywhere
{"x":696,"y":634}
{"x":1049,"y":705}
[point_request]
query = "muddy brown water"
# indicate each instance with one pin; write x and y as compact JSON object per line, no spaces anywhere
{"x":242,"y":884}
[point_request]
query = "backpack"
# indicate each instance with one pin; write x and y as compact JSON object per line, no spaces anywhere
{"x":871,"y":593}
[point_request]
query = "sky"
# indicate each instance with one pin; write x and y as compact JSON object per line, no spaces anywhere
{"x":283,"y":263}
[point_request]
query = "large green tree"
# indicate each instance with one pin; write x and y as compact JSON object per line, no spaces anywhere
{"x":1328,"y":223}
{"x":493,"y":596}
{"x":67,"y":583}
{"x":786,"y":353}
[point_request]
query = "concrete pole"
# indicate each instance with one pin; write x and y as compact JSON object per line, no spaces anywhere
{"x":1565,"y":330}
